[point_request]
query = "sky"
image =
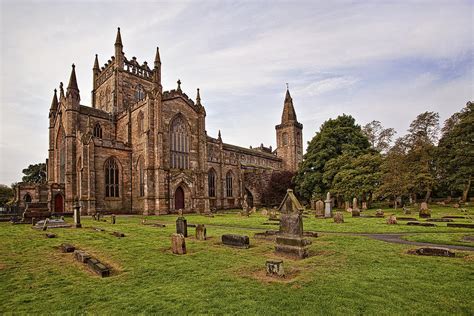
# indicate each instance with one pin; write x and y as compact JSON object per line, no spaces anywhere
{"x":375,"y":60}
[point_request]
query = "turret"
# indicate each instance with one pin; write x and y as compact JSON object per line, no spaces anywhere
{"x":157,"y":69}
{"x":54,"y":105}
{"x":72,"y":89}
{"x":95,"y":75}
{"x":289,"y":136}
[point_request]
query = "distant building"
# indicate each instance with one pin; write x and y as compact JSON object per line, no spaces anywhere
{"x":143,"y":150}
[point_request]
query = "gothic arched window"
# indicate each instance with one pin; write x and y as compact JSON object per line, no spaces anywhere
{"x":97,"y":130}
{"x":112,"y":178}
{"x":228,"y":184}
{"x":211,"y":180}
{"x":141,"y":175}
{"x":27,"y":198}
{"x":179,"y":144}
{"x":139,"y":93}
{"x":284,"y":139}
{"x":61,"y":152}
{"x":298,"y":138}
{"x":140,"y":121}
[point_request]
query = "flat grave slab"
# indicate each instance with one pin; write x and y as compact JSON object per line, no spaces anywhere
{"x":421,"y":224}
{"x":238,"y":241}
{"x":461,"y":225}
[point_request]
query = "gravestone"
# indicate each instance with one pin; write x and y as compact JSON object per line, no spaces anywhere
{"x":275,"y":268}
{"x":178,"y":244}
{"x":237,"y":241}
{"x":379,"y":213}
{"x":118,"y":234}
{"x":355,"y":212}
{"x":81,"y":256}
{"x":67,"y":248}
{"x":364,"y":205}
{"x":45,"y":224}
{"x":290,"y":242}
{"x":354,"y":203}
{"x":355,"y":208}
{"x":98,"y":267}
{"x":425,"y":212}
{"x":392,"y":220}
{"x":50,"y":235}
{"x":77,"y":214}
{"x":245,"y":207}
{"x":421,"y":224}
{"x":181,"y":224}
{"x":432,"y":251}
{"x":264,"y":212}
{"x":113,"y":218}
{"x":201,"y":232}
{"x":338,"y":218}
{"x":319,"y":208}
{"x":347,"y":205}
{"x":328,"y":206}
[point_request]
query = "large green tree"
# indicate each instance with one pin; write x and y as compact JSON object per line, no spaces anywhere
{"x":6,"y":194}
{"x":335,"y":137}
{"x":35,"y":173}
{"x":379,"y":137}
{"x":455,"y":153}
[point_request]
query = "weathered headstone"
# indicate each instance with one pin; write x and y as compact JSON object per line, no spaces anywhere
{"x":347,"y":205}
{"x":264,"y":212}
{"x":67,"y":248}
{"x":201,"y":232}
{"x":113,"y":218}
{"x":460,"y":225}
{"x":338,"y":218}
{"x":433,"y":251}
{"x":275,"y":268}
{"x":379,"y":213}
{"x":98,"y":267}
{"x":182,"y":225}
{"x":364,"y":205}
{"x":245,"y":207}
{"x":118,"y":234}
{"x":328,"y":206}
{"x":290,"y":242}
{"x":392,"y":220}
{"x":319,"y":208}
{"x":355,"y":212}
{"x":421,"y":224}
{"x":425,"y":212}
{"x":81,"y":256}
{"x":178,"y":244}
{"x":50,"y":235}
{"x":45,"y":224}
{"x":77,"y":214}
{"x":354,"y":203}
{"x":238,"y":241}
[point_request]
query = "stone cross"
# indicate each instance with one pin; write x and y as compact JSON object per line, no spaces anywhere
{"x":328,"y":206}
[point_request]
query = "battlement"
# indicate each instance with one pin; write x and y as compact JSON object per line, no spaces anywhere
{"x":142,"y":71}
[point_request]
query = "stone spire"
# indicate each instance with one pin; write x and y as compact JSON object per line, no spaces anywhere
{"x":54,"y":102}
{"x":118,"y":39}
{"x":219,"y":137}
{"x":289,"y":114}
{"x":96,"y":63}
{"x":157,"y":57}
{"x":61,"y":90}
{"x":198,"y":97}
{"x":72,"y":88}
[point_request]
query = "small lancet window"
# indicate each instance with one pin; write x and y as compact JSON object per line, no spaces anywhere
{"x":97,"y":130}
{"x":112,"y":178}
{"x":139,"y":93}
{"x":228,"y":184}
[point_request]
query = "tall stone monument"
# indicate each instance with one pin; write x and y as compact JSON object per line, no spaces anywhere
{"x":181,"y":224}
{"x":290,"y":241}
{"x":328,"y":206}
{"x":77,"y":214}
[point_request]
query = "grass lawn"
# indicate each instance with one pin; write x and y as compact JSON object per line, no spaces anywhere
{"x":345,"y":274}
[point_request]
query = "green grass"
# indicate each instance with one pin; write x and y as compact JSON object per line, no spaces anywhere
{"x":346,"y":274}
{"x":447,"y":239}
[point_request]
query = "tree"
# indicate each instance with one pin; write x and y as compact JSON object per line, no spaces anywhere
{"x":274,"y":192}
{"x":455,"y":153}
{"x":6,"y":194}
{"x":379,"y":137}
{"x":334,"y":137}
{"x":35,"y":173}
{"x":425,"y":128}
{"x":395,"y":176}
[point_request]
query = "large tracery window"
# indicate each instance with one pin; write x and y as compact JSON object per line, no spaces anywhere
{"x":211,"y":179}
{"x":112,"y":178}
{"x":228,"y":184}
{"x":97,"y":130}
{"x":179,"y":144}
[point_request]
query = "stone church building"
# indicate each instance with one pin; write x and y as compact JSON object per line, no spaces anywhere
{"x":139,"y":149}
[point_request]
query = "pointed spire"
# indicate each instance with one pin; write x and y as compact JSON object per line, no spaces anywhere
{"x":96,"y":63}
{"x":118,"y":39}
{"x":61,"y":90}
{"x":72,"y":88}
{"x":289,"y":114}
{"x":54,"y":102}
{"x":198,"y":97}
{"x":219,"y":137}
{"x":157,"y":57}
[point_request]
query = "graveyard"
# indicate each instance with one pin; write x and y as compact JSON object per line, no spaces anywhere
{"x":347,"y":269}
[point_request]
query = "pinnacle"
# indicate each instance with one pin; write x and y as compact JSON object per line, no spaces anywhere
{"x":118,"y":39}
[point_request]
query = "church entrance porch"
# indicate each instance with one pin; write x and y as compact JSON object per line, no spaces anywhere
{"x":58,"y":203}
{"x":179,"y":199}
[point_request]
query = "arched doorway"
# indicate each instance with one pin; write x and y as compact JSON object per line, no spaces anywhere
{"x":179,"y":199}
{"x":249,"y":197}
{"x":58,"y":203}
{"x":27,"y":198}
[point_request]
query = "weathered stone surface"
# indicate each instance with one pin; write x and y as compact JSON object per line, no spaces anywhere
{"x":421,"y":224}
{"x":182,"y":226}
{"x":239,"y":241}
{"x":275,"y":268}
{"x":310,"y":234}
{"x":81,"y":256}
{"x":319,"y":205}
{"x":439,"y":220}
{"x":392,"y":220}
{"x":292,"y":241}
{"x":379,"y":213}
{"x":454,"y":216}
{"x":338,"y":218}
{"x":118,"y":234}
{"x":295,"y":247}
{"x":178,"y":244}
{"x":50,"y":235}
{"x":406,"y":218}
{"x":98,"y":267}
{"x":77,"y":215}
{"x":364,"y":205}
{"x":355,"y":213}
{"x":433,"y":251}
{"x":423,"y":206}
{"x":51,"y":223}
{"x":328,"y":206}
{"x":424,"y":213}
{"x":67,"y":248}
{"x":159,"y":225}
{"x":460,"y":225}
{"x":201,"y":232}
{"x":291,"y":224}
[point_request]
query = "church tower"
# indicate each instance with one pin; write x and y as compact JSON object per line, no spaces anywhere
{"x":289,"y":136}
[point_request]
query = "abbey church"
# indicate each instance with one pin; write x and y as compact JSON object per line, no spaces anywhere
{"x":139,"y":149}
